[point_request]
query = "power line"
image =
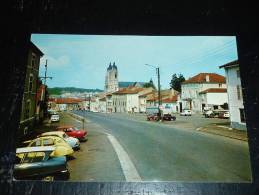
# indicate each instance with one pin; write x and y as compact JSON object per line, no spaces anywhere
{"x":202,"y":58}
{"x":222,"y":48}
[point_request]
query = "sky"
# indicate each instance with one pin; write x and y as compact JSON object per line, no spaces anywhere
{"x":82,"y":60}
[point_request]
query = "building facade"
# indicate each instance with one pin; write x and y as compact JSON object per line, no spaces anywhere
{"x":191,"y":88}
{"x":235,"y":96}
{"x":28,"y":111}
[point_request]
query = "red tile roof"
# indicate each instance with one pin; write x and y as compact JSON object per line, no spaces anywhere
{"x":170,"y":100}
{"x":102,"y":99}
{"x":67,"y":100}
{"x":214,"y":90}
{"x":165,"y":99}
{"x":201,"y":78}
{"x":145,"y":94}
{"x":129,"y":90}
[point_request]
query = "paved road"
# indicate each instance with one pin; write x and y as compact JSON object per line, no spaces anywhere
{"x":167,"y":153}
{"x":96,"y":160}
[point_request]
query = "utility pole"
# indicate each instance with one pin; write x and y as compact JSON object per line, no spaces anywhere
{"x":45,"y":75}
{"x":89,"y":102}
{"x":84,"y":113}
{"x":159,"y":92}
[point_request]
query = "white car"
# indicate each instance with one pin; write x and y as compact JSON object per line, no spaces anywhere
{"x":226,"y":115}
{"x":186,"y":113}
{"x":73,"y":142}
{"x":54,"y":118}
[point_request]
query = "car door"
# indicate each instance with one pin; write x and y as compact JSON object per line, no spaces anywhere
{"x":30,"y":166}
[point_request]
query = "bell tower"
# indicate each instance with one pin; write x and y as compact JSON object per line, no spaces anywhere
{"x":111,"y":78}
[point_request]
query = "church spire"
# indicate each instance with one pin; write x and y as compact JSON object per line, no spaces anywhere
{"x":114,"y":66}
{"x":110,"y":66}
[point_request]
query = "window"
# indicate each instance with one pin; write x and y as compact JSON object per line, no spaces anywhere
{"x":30,"y":83}
{"x":238,"y":73}
{"x":239,"y":92}
{"x":36,"y":143}
{"x":242,"y":115}
{"x":33,"y":60}
{"x":27,"y":109}
{"x":48,"y":142}
{"x":31,"y":157}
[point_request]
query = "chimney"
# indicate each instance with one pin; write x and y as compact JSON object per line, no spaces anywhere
{"x":207,"y":78}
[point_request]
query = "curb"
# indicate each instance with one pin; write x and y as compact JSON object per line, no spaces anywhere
{"x":77,"y":117}
{"x":242,"y":139}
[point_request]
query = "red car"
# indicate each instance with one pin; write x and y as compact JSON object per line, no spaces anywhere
{"x":72,"y":131}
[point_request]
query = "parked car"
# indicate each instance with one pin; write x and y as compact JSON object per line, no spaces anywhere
{"x":62,"y":148}
{"x":209,"y":114}
{"x":72,"y":131}
{"x":166,"y":114}
{"x":168,"y":117}
{"x":153,"y":117}
{"x":54,"y":117}
{"x":73,"y":142}
{"x":37,"y":163}
{"x":186,"y":113}
{"x":224,"y":115}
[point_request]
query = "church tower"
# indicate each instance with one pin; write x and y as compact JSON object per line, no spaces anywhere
{"x":111,"y":79}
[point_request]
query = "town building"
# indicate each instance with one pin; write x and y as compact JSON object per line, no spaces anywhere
{"x":169,"y":99}
{"x":41,"y":103}
{"x":235,"y":96}
{"x":192,"y":91}
{"x":29,"y":101}
{"x":214,"y":98}
{"x":102,"y":105}
{"x":65,"y":104}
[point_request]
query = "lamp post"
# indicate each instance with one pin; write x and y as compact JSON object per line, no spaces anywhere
{"x":159,"y":93}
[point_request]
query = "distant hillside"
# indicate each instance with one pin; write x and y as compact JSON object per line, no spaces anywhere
{"x":60,"y":90}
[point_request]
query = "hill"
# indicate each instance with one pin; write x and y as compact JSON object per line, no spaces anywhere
{"x":60,"y":90}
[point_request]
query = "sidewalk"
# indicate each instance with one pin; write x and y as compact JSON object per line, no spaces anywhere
{"x":225,"y":131}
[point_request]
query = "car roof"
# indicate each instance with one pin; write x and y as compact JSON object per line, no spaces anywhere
{"x":51,"y":133}
{"x":64,"y":126}
{"x":48,"y":136}
{"x":35,"y":149}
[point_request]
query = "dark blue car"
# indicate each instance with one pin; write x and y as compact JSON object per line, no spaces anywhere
{"x":35,"y":163}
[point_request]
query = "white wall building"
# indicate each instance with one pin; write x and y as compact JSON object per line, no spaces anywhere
{"x":102,"y":105}
{"x":191,"y":88}
{"x":214,"y":97}
{"x":235,"y":97}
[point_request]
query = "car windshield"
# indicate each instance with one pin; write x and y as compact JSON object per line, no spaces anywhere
{"x":65,"y":136}
{"x":30,"y":157}
{"x":73,"y":129}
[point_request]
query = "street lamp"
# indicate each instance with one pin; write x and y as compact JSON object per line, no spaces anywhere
{"x":159,"y":93}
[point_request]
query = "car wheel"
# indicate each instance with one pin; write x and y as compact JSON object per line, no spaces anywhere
{"x":48,"y":178}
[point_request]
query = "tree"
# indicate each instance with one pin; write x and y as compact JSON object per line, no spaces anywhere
{"x":149,"y":84}
{"x":176,"y":82}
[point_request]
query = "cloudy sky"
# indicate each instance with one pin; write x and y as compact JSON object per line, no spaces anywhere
{"x":82,"y":60}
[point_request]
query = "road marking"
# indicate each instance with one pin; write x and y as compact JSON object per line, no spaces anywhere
{"x":129,"y":170}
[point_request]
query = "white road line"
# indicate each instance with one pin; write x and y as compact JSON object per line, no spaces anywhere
{"x":129,"y":170}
